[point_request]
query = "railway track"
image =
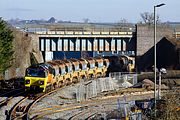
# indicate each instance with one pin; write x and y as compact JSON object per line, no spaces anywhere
{"x":81,"y":115}
{"x":89,"y":109}
{"x":20,"y":111}
{"x":11,"y":92}
{"x":16,"y":109}
{"x":93,"y":110}
{"x":10,"y":95}
{"x":86,"y":109}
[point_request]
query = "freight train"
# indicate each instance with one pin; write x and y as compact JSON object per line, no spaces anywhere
{"x":57,"y":73}
{"x":129,"y":63}
{"x":121,"y":63}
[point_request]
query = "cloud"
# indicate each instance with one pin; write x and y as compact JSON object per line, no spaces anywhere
{"x":20,"y":9}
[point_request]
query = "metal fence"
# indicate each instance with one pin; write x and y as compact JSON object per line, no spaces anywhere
{"x":122,"y":77}
{"x":90,"y":89}
{"x":87,"y":90}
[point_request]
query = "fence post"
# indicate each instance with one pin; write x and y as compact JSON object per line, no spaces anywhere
{"x":134,"y":79}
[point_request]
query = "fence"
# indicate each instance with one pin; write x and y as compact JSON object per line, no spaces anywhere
{"x":90,"y":89}
{"x":122,"y":77}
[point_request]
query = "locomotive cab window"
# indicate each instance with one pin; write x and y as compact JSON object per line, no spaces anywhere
{"x":36,"y":73}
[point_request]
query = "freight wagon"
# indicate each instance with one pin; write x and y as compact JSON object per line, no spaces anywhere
{"x":57,"y":73}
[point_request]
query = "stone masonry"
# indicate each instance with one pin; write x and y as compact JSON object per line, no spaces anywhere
{"x":145,"y":36}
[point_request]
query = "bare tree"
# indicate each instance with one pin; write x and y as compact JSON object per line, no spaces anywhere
{"x":145,"y":17}
{"x":123,"y":22}
{"x":148,"y":18}
{"x":172,"y":108}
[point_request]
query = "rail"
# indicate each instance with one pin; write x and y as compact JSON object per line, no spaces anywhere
{"x":11,"y":95}
{"x":12,"y":112}
{"x":10,"y":92}
{"x":26,"y":111}
{"x":89,"y":105}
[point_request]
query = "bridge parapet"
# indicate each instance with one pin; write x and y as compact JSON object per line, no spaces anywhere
{"x":84,"y":34}
{"x":81,"y":33}
{"x":176,"y":35}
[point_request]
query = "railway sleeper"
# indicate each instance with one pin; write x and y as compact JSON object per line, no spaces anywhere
{"x":20,"y":108}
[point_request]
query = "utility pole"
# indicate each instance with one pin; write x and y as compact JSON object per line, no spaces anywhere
{"x":155,"y":54}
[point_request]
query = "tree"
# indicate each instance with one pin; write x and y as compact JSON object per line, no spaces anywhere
{"x":6,"y":46}
{"x":148,"y":18}
{"x":123,"y":21}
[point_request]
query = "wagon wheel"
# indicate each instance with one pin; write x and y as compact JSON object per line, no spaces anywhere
{"x":55,"y":85}
{"x":76,"y":80}
{"x":60,"y":84}
{"x":52,"y":87}
{"x":66,"y":82}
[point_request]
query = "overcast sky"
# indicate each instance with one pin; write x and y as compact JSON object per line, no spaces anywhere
{"x":94,"y":10}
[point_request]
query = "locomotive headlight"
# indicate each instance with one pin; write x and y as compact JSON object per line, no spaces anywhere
{"x":41,"y":82}
{"x":27,"y":81}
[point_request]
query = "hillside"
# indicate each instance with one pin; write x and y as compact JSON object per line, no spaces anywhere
{"x":24,"y":45}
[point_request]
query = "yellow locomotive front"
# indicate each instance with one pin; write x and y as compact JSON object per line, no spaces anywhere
{"x":38,"y":77}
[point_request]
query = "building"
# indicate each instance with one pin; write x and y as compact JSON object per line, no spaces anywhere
{"x":168,"y":55}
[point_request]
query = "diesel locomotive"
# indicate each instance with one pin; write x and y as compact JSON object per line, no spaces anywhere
{"x":58,"y":73}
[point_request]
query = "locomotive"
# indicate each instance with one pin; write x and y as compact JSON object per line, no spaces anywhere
{"x":58,"y":73}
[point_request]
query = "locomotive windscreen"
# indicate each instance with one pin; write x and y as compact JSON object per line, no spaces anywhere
{"x":36,"y":72}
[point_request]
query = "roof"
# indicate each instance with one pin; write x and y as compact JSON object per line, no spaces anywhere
{"x":174,"y":41}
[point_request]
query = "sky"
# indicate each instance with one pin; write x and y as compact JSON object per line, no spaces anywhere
{"x":94,"y":10}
